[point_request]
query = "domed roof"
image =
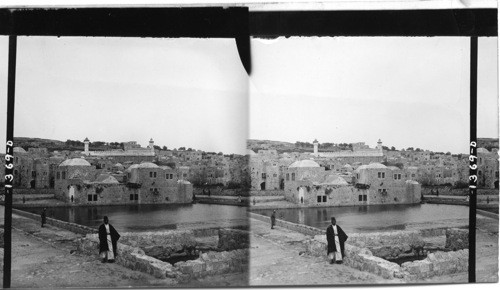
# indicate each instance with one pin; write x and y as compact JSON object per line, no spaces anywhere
{"x":147,"y":165}
{"x":133,"y":166}
{"x":304,"y":163}
{"x":165,"y":167}
{"x":19,"y":150}
{"x":75,"y":162}
{"x":376,"y":165}
{"x":479,"y":150}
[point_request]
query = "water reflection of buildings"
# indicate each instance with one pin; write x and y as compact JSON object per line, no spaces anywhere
{"x":301,"y":216}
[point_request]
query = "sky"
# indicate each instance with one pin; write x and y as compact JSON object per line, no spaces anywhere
{"x":180,"y":92}
{"x":407,"y":91}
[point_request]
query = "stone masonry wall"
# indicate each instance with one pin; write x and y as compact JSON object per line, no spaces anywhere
{"x":303,"y":229}
{"x":357,"y":258}
{"x":214,"y":263}
{"x":457,"y":239}
{"x":437,"y":264}
{"x":131,"y":257}
{"x":389,"y":245}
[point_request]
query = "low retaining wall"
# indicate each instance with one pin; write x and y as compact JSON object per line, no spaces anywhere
{"x":214,"y":263}
{"x":131,"y":257}
{"x":487,"y":214}
{"x":76,"y":228}
{"x":357,"y":258}
{"x":135,"y":250}
{"x":31,"y":191}
{"x":303,"y":229}
{"x":437,"y":264}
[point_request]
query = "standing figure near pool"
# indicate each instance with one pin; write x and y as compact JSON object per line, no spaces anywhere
{"x":336,"y":238}
{"x":108,"y":238}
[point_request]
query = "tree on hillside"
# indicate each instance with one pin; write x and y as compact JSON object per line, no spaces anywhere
{"x":393,"y":148}
{"x":165,"y":148}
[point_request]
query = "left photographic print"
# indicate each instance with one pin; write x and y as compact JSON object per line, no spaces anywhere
{"x":128,"y":153}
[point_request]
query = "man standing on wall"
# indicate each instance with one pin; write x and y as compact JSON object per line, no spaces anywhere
{"x":336,"y":238}
{"x":273,"y":219}
{"x":108,"y":237}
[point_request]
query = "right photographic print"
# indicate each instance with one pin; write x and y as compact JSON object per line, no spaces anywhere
{"x":359,"y":158}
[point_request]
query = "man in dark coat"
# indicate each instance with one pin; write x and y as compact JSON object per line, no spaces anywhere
{"x":44,"y":216}
{"x":108,"y":237}
{"x":336,"y":238}
{"x":273,"y":219}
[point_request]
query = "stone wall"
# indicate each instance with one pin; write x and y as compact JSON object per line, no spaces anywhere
{"x":33,"y":191}
{"x":214,"y":263}
{"x":230,"y":239}
{"x":437,"y":264}
{"x":357,"y":258}
{"x":389,"y":245}
{"x":76,"y":228}
{"x":303,"y":229}
{"x":131,"y":257}
{"x":457,"y":239}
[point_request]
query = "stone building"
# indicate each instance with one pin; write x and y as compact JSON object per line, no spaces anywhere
{"x":360,"y":153}
{"x":309,"y":184}
{"x":487,"y":168}
{"x":132,"y":152}
{"x":77,"y":181}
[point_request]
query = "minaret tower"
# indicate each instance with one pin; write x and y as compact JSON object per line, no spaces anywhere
{"x":152,"y":145}
{"x":315,"y":144}
{"x":86,"y":148}
{"x":379,"y":145}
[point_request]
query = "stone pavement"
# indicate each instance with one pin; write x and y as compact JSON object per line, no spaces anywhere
{"x":277,"y":258}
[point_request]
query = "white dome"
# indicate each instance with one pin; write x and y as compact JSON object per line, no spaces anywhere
{"x":75,"y":162}
{"x":304,"y":163}
{"x":479,"y":150}
{"x":19,"y":150}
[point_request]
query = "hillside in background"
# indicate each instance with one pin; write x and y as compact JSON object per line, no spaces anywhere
{"x":56,"y":145}
{"x":488,"y":143}
{"x":298,"y":146}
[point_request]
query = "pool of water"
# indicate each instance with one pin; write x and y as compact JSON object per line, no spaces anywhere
{"x":136,"y":218}
{"x":371,"y":218}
